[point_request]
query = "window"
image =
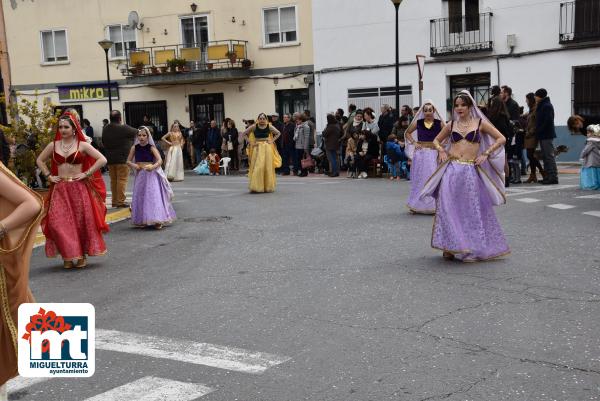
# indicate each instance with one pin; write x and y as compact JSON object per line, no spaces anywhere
{"x":459,"y":8}
{"x":54,"y":46}
{"x":124,"y":39}
{"x":194,"y":31}
{"x":377,"y":97}
{"x":586,"y":90}
{"x":280,"y":25}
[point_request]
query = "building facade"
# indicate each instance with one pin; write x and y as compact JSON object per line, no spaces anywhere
{"x":174,"y":60}
{"x":467,"y":44}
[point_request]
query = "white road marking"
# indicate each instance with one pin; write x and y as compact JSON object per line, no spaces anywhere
{"x":594,"y":213}
{"x":589,"y":197}
{"x":523,"y":191}
{"x":561,"y":206}
{"x":528,"y":200}
{"x":20,"y":383}
{"x":187,"y":351}
{"x":154,"y":389}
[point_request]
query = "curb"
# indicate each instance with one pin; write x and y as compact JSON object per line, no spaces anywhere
{"x":114,"y":217}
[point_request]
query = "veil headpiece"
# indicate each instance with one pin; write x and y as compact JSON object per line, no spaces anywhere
{"x":420,"y":115}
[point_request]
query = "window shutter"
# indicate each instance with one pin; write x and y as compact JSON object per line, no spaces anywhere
{"x":455,"y":15}
{"x":60,"y":45}
{"x":272,"y":26}
{"x":48,"y":46}
{"x":472,"y":15}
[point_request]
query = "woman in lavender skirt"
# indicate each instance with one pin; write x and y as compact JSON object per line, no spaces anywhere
{"x":427,"y":124}
{"x":152,"y":193}
{"x":467,"y":184}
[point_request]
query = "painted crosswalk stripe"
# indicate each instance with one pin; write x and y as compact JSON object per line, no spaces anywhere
{"x":594,"y":213}
{"x":528,"y":200}
{"x":597,"y":196}
{"x":20,"y":383}
{"x":154,"y":389}
{"x":561,"y":206}
{"x":197,"y":353}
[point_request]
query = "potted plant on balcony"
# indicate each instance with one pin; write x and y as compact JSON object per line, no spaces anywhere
{"x":154,"y":70}
{"x":181,"y":65}
{"x":138,"y":68}
{"x":164,"y":69}
{"x":246,"y":64}
{"x":232,"y":56}
{"x":31,"y":129}
{"x":172,"y":64}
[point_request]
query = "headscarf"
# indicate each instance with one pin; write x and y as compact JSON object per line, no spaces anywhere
{"x":95,"y":183}
{"x":409,"y":147}
{"x":164,"y":181}
{"x":493,"y":167}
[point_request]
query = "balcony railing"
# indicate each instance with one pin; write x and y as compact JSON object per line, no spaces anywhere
{"x":461,"y":34}
{"x":172,"y":59}
{"x":579,"y":21}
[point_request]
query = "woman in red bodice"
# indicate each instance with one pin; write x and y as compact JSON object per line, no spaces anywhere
{"x":75,"y":205}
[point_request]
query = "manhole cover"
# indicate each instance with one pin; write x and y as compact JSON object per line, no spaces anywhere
{"x":209,"y":219}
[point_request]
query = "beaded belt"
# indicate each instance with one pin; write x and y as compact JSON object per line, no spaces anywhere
{"x":428,"y":145}
{"x":460,"y":161}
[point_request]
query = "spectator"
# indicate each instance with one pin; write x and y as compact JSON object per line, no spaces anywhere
{"x":531,"y":141}
{"x":331,"y":137}
{"x":400,"y":128}
{"x":386,"y":125}
{"x":117,"y":139}
{"x":351,"y":114}
{"x":367,"y":150}
{"x":395,"y":155}
{"x":498,"y":115}
{"x":88,"y":130}
{"x":511,"y":105}
{"x":314,"y":141}
{"x":104,"y":123}
{"x":232,"y":143}
{"x":350,"y":159}
{"x":370,"y":123}
{"x":545,"y":133}
{"x":407,"y":112}
{"x":213,"y":137}
{"x":189,"y":136}
{"x":287,"y":144}
{"x":302,"y":143}
{"x":590,"y":157}
{"x":147,"y":122}
{"x":577,"y":124}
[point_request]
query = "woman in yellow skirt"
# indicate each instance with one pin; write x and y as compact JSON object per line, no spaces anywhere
{"x":262,"y":154}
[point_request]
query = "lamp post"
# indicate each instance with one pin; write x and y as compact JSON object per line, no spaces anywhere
{"x":397,"y":5}
{"x":106,"y":45}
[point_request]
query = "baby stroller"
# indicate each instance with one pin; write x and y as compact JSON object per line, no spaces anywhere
{"x":320,"y":158}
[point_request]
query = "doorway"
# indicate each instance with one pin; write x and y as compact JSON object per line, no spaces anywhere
{"x":291,"y":101}
{"x":204,"y":108}
{"x":477,"y":84}
{"x":156,"y":111}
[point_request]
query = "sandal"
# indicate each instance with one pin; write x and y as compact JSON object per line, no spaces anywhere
{"x":81,"y":263}
{"x":68,"y":264}
{"x":448,"y":256}
{"x":159,"y":226}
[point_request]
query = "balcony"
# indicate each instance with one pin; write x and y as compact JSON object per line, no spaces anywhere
{"x":217,"y":60}
{"x":579,"y":21}
{"x":465,"y":34}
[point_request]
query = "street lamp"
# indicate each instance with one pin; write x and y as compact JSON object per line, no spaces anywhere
{"x":397,"y":5}
{"x":106,"y":45}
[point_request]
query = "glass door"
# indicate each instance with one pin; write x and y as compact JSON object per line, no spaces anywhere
{"x":194,"y":33}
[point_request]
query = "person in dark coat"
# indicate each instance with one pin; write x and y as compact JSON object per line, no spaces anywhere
{"x":545,"y":132}
{"x":213,"y":138}
{"x":386,"y":125}
{"x":287,"y":144}
{"x":117,"y":139}
{"x":331,"y":137}
{"x":367,"y":149}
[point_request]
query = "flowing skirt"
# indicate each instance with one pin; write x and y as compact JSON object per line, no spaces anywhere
{"x":424,"y":164}
{"x":261,"y":174}
{"x":590,"y":178}
{"x":151,"y":202}
{"x":465,"y":223}
{"x":202,"y":168}
{"x":71,"y":226}
{"x":174,"y":164}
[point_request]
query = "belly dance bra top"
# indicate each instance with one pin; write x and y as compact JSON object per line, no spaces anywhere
{"x":473,"y":136}
{"x":74,"y":158}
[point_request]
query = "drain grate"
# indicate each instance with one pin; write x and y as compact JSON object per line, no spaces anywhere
{"x":209,"y":219}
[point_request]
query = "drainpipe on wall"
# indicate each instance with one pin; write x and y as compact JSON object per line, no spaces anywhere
{"x":4,"y":60}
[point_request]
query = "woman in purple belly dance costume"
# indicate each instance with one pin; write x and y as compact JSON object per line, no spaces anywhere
{"x":466,"y":186}
{"x":152,"y":193}
{"x":427,"y":123}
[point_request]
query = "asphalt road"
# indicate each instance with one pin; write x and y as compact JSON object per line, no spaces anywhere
{"x":337,"y":288}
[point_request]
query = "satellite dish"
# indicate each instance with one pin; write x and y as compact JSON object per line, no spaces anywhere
{"x":134,"y":20}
